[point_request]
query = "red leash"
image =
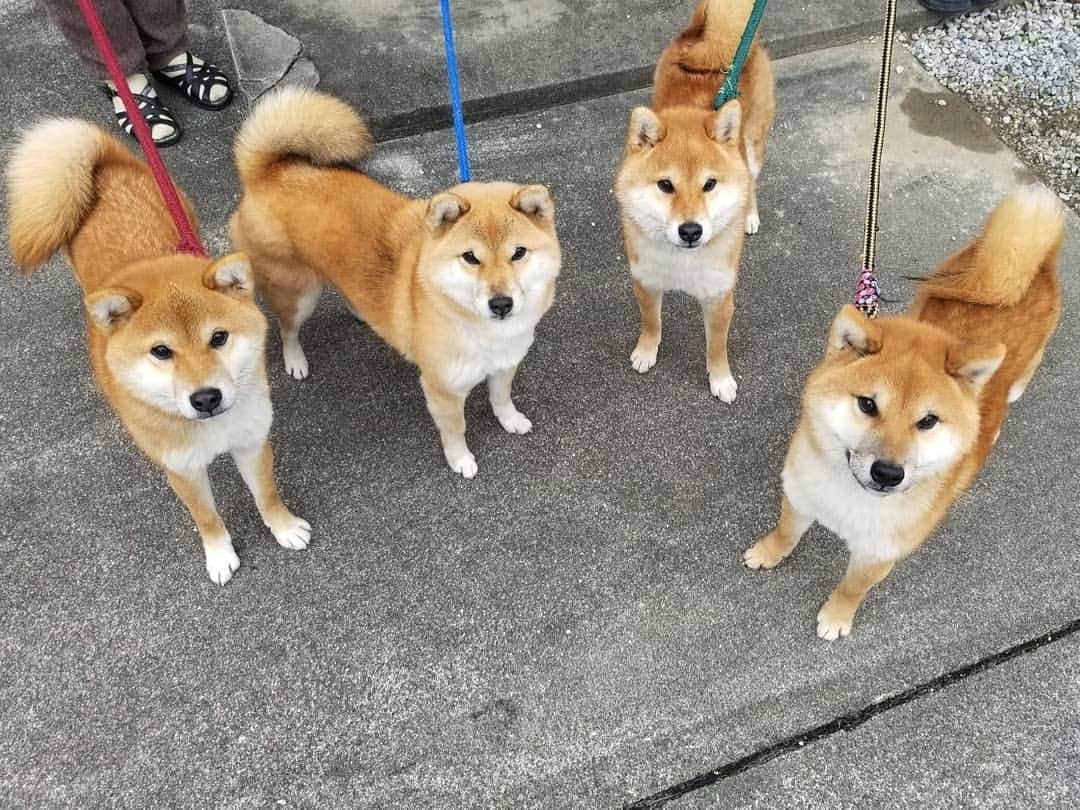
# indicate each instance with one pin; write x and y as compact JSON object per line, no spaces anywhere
{"x":189,"y":240}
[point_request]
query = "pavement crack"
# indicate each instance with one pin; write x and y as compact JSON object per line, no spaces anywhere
{"x":849,"y":721}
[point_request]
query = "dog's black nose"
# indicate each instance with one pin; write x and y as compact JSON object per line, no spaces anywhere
{"x":690,"y":232}
{"x":205,"y":399}
{"x":886,"y":473}
{"x":501,"y":305}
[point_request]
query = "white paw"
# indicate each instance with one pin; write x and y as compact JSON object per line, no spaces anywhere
{"x":723,"y":387}
{"x":292,"y":532}
{"x":753,"y":222}
{"x":643,"y":359}
{"x":463,"y":464}
{"x":758,"y":557}
{"x":295,"y":362}
{"x":515,"y":422}
{"x":831,"y":627}
{"x":221,"y":561}
{"x":1016,"y":391}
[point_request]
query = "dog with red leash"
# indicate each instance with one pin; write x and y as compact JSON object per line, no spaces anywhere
{"x":176,"y":340}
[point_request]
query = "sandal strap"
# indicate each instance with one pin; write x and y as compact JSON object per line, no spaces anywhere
{"x":151,"y":109}
{"x":197,"y":80}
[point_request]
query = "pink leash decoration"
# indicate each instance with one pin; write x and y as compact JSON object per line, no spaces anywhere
{"x":189,"y":240}
{"x":867,"y":293}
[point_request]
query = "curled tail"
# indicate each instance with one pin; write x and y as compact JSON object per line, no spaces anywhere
{"x":713,"y":35}
{"x":50,"y":180}
{"x":1021,"y":236}
{"x":302,"y":123}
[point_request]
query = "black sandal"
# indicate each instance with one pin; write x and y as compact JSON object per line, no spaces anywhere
{"x":196,"y":82}
{"x":153,"y":112}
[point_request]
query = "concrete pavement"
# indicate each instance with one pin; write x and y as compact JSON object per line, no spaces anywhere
{"x":572,"y":628}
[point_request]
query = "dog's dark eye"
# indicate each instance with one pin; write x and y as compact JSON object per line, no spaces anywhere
{"x":519,"y":254}
{"x":710,"y":184}
{"x":470,"y":257}
{"x":666,"y":186}
{"x":161,"y":352}
{"x":927,"y":422}
{"x":867,"y":406}
{"x":217,"y":340}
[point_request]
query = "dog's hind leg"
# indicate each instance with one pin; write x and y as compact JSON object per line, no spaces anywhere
{"x":754,"y":154}
{"x":256,"y":465}
{"x":292,"y":293}
{"x":193,"y":488}
{"x":1020,"y":386}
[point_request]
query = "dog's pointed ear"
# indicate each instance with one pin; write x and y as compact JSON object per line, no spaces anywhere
{"x":853,"y":330}
{"x":646,"y":131}
{"x":724,"y":126}
{"x":111,"y":307}
{"x":231,"y":275}
{"x":976,"y":364}
{"x":445,"y":209}
{"x":534,"y":201}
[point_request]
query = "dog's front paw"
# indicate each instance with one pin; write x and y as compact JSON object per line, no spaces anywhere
{"x":221,"y":560}
{"x":753,"y":222}
{"x":514,"y":421}
{"x":643,"y":358}
{"x":723,"y":386}
{"x":763,"y":554}
{"x":291,"y":532}
{"x":464,"y":464}
{"x":295,"y":361}
{"x":834,"y":620}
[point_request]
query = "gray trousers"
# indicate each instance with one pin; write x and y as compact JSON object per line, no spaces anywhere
{"x":146,"y":34}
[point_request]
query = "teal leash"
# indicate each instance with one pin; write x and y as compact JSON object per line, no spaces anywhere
{"x":730,"y":88}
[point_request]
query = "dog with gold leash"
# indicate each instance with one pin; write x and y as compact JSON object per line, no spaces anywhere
{"x":176,"y":342}
{"x":903,"y":411}
{"x":456,"y":283}
{"x":687,"y":184}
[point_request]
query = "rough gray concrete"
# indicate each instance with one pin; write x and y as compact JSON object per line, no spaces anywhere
{"x":572,"y":628}
{"x":511,"y":46}
{"x":1006,"y":738}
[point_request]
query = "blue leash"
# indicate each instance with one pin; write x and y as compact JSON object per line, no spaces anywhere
{"x":455,"y":93}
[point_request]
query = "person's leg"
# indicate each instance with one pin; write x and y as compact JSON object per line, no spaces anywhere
{"x":163,"y":27}
{"x":123,"y":33}
{"x":956,"y":6}
{"x":127,"y":42}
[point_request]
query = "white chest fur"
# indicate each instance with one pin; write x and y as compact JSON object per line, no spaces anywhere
{"x":246,"y":424}
{"x":703,"y":273}
{"x":483,"y":352}
{"x":871,"y":525}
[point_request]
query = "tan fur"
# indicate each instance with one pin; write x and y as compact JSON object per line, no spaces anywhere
{"x":74,"y":188}
{"x":711,"y":159}
{"x":965,"y":349}
{"x":693,"y":67}
{"x":399,"y":262}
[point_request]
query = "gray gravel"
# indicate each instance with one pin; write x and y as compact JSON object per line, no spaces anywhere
{"x":1018,"y":66}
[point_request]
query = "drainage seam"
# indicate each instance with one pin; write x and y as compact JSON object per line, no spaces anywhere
{"x":847,"y":722}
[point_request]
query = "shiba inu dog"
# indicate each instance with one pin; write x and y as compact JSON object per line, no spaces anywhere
{"x":903,"y":411}
{"x":687,"y":183}
{"x":176,"y":342}
{"x":456,"y":283}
